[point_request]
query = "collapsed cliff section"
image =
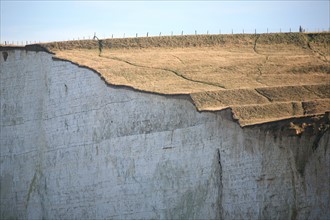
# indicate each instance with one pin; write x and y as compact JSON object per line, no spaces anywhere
{"x":261,"y":78}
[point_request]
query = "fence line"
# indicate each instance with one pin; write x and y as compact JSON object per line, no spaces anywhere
{"x":196,"y":32}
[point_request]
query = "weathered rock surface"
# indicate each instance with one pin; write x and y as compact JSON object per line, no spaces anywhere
{"x":74,"y":147}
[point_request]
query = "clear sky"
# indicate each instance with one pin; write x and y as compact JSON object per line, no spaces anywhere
{"x":62,"y":20}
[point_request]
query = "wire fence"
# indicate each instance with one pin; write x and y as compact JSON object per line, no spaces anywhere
{"x":172,"y":33}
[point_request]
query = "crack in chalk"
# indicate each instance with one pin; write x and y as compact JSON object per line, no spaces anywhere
{"x":31,"y":189}
{"x":178,"y":58}
{"x":260,"y":93}
{"x":196,"y":81}
{"x":89,"y":110}
{"x":168,"y":70}
{"x":221,"y":183}
{"x":259,"y":66}
{"x":293,"y":211}
{"x":255,"y":44}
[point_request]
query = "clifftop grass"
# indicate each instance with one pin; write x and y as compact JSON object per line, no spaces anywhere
{"x":261,"y":78}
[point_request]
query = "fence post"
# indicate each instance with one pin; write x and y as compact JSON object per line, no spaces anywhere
{"x":267,"y":30}
{"x":290,"y":30}
{"x":160,"y":33}
{"x":207,"y":32}
{"x":219,"y":31}
{"x":243,"y":30}
{"x":181,"y":32}
{"x":147,"y":34}
{"x":232,"y":31}
{"x":171,"y":33}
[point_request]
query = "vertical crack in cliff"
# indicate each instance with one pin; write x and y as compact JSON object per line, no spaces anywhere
{"x":5,"y":55}
{"x":32,"y":188}
{"x":220,"y":189}
{"x":36,"y":187}
{"x":293,"y":208}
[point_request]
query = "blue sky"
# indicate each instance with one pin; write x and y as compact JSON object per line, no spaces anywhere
{"x":63,"y":20}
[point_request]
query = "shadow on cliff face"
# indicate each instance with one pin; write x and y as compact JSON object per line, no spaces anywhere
{"x":304,"y":134}
{"x":294,"y":166}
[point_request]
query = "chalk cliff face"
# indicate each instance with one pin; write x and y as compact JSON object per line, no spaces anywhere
{"x":74,"y":147}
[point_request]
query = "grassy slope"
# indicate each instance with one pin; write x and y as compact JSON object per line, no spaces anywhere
{"x":219,"y":71}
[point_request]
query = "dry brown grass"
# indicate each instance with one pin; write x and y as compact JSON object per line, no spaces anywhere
{"x":258,"y":76}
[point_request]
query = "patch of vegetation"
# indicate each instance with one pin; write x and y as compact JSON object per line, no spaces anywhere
{"x":323,"y":38}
